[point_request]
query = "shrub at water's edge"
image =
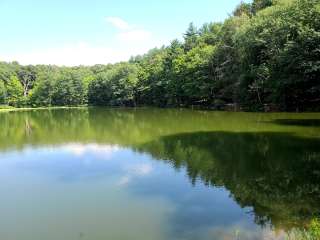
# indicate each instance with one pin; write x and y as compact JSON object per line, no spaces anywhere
{"x":312,"y":232}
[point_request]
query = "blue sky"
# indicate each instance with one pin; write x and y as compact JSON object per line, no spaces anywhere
{"x":74,"y":32}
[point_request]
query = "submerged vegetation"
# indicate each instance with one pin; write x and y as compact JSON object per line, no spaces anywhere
{"x":265,"y":56}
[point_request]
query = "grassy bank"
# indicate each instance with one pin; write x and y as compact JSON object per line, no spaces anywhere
{"x":5,"y":108}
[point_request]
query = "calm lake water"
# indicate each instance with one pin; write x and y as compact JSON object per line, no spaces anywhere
{"x":156,"y":174}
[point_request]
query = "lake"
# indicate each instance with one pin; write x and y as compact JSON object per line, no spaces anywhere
{"x":146,"y":173}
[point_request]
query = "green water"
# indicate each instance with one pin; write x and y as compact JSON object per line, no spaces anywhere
{"x":98,"y":173}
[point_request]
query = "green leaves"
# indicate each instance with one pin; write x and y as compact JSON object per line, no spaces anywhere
{"x":116,"y":87}
{"x":14,"y":91}
{"x":3,"y":93}
{"x":285,"y":39}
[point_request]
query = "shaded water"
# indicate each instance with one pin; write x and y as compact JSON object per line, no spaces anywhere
{"x":143,"y":174}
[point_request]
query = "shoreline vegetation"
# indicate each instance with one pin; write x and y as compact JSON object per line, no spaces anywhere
{"x":310,"y":233}
{"x":263,"y":57}
{"x":12,"y":109}
{"x":7,"y":108}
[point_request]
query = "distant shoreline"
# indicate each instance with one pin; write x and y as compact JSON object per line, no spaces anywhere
{"x":4,"y":109}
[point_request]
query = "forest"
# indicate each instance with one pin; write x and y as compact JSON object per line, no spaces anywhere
{"x":264,"y":57}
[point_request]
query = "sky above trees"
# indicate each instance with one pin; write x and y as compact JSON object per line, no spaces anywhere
{"x":97,"y":32}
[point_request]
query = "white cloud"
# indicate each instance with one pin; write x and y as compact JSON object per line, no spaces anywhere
{"x":125,"y":180}
{"x":129,"y":40}
{"x":70,"y":55}
{"x":128,"y":32}
{"x":118,"y":23}
{"x":133,"y":171}
{"x":134,"y":35}
{"x":140,"y":169}
{"x":128,"y":44}
{"x":105,"y":151}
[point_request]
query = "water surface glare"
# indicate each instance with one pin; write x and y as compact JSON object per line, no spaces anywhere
{"x":140,"y":174}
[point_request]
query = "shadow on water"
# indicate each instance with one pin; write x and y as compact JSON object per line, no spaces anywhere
{"x":276,"y":174}
{"x":298,"y":122}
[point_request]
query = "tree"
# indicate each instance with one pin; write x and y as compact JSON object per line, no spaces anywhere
{"x":193,"y":70}
{"x":243,"y":8}
{"x":100,"y":90}
{"x":27,"y":77}
{"x":14,"y":91}
{"x":116,"y":87}
{"x":42,"y":93}
{"x":209,"y":33}
{"x":3,"y":93}
{"x":279,"y":50}
{"x":258,"y":5}
{"x":226,"y":62}
{"x":190,"y":37}
{"x":7,"y":70}
{"x":68,"y":89}
{"x":151,"y":87}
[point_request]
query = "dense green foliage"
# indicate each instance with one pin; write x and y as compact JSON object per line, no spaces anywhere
{"x":3,"y":93}
{"x":265,"y":56}
{"x":114,"y":87}
{"x":312,"y":232}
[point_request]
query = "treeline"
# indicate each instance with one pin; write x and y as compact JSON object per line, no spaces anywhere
{"x":265,"y":56}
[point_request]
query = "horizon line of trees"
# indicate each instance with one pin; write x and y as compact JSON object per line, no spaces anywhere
{"x":267,"y":53}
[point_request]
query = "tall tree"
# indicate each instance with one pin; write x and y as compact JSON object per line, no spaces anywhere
{"x":3,"y":93}
{"x":190,"y":37}
{"x":27,"y":77}
{"x":243,"y":8}
{"x":258,"y":5}
{"x":14,"y":91}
